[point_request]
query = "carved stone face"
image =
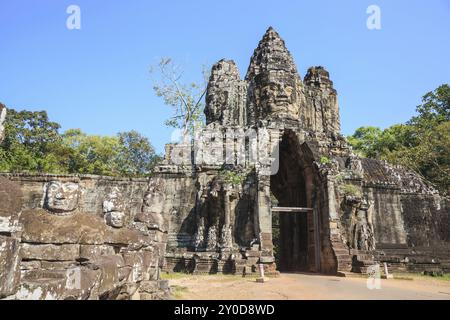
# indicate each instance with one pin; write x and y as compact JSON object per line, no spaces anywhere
{"x":278,"y":97}
{"x":115,"y":219}
{"x":217,"y":100}
{"x":113,"y":207}
{"x":62,"y":197}
{"x":214,"y":189}
{"x":354,"y":164}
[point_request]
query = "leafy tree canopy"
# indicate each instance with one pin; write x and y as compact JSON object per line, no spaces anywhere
{"x":422,"y":144}
{"x":33,"y":144}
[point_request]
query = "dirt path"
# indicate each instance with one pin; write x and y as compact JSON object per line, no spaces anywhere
{"x":302,"y":286}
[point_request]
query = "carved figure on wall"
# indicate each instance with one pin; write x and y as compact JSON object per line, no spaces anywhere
{"x":278,"y":95}
{"x":226,"y":239}
{"x":153,"y":206}
{"x":113,"y":208}
{"x":211,"y":242}
{"x":199,"y":237}
{"x":363,"y":233}
{"x":61,"y":198}
{"x":354,"y":164}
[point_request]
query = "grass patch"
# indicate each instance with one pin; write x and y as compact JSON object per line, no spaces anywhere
{"x":402,"y":277}
{"x":178,"y":291}
{"x":173,"y":275}
{"x":412,"y":276}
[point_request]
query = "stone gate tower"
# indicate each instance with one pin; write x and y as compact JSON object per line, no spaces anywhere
{"x":313,"y":205}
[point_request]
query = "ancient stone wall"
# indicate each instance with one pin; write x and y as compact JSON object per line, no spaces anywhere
{"x":78,"y":237}
{"x":211,"y":221}
{"x":388,"y":223}
{"x":427,"y":218}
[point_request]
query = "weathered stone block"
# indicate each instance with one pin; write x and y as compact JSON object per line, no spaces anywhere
{"x":149,"y":287}
{"x":128,"y":292}
{"x":126,"y":236}
{"x":135,"y":261}
{"x":268,"y":259}
{"x":109,"y":278}
{"x":50,"y":252}
{"x":56,"y":265}
{"x":10,"y":202}
{"x":42,"y":227}
{"x":81,"y":283}
{"x":90,"y":252}
{"x":163,"y":285}
{"x":30,"y":265}
{"x":9,"y":266}
{"x":42,"y":285}
{"x":124,"y":273}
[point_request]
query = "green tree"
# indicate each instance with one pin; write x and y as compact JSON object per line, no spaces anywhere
{"x":33,"y":143}
{"x":29,"y":140}
{"x":422,"y":144}
{"x":136,"y":156}
{"x":435,"y":108}
{"x":92,"y":154}
{"x":365,"y":141}
{"x":127,"y":154}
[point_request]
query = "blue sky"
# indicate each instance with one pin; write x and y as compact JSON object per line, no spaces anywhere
{"x":97,"y":78}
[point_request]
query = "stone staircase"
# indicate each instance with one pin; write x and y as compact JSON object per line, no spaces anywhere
{"x":350,"y":260}
{"x":343,"y":257}
{"x":361,"y":261}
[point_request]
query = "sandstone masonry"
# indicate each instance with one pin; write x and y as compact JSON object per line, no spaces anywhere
{"x":315,"y":206}
{"x":358,"y":211}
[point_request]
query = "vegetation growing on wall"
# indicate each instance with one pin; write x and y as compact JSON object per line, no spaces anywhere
{"x":350,"y":190}
{"x":233,"y":177}
{"x":324,"y":160}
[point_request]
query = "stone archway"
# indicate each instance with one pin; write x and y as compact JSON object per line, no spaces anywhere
{"x":293,"y":186}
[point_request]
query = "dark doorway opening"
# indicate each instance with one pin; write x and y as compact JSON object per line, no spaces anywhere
{"x":292,"y":236}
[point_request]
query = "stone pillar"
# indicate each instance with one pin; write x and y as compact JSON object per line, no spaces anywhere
{"x":226,"y":235}
{"x":264,"y":219}
{"x":333,"y":208}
